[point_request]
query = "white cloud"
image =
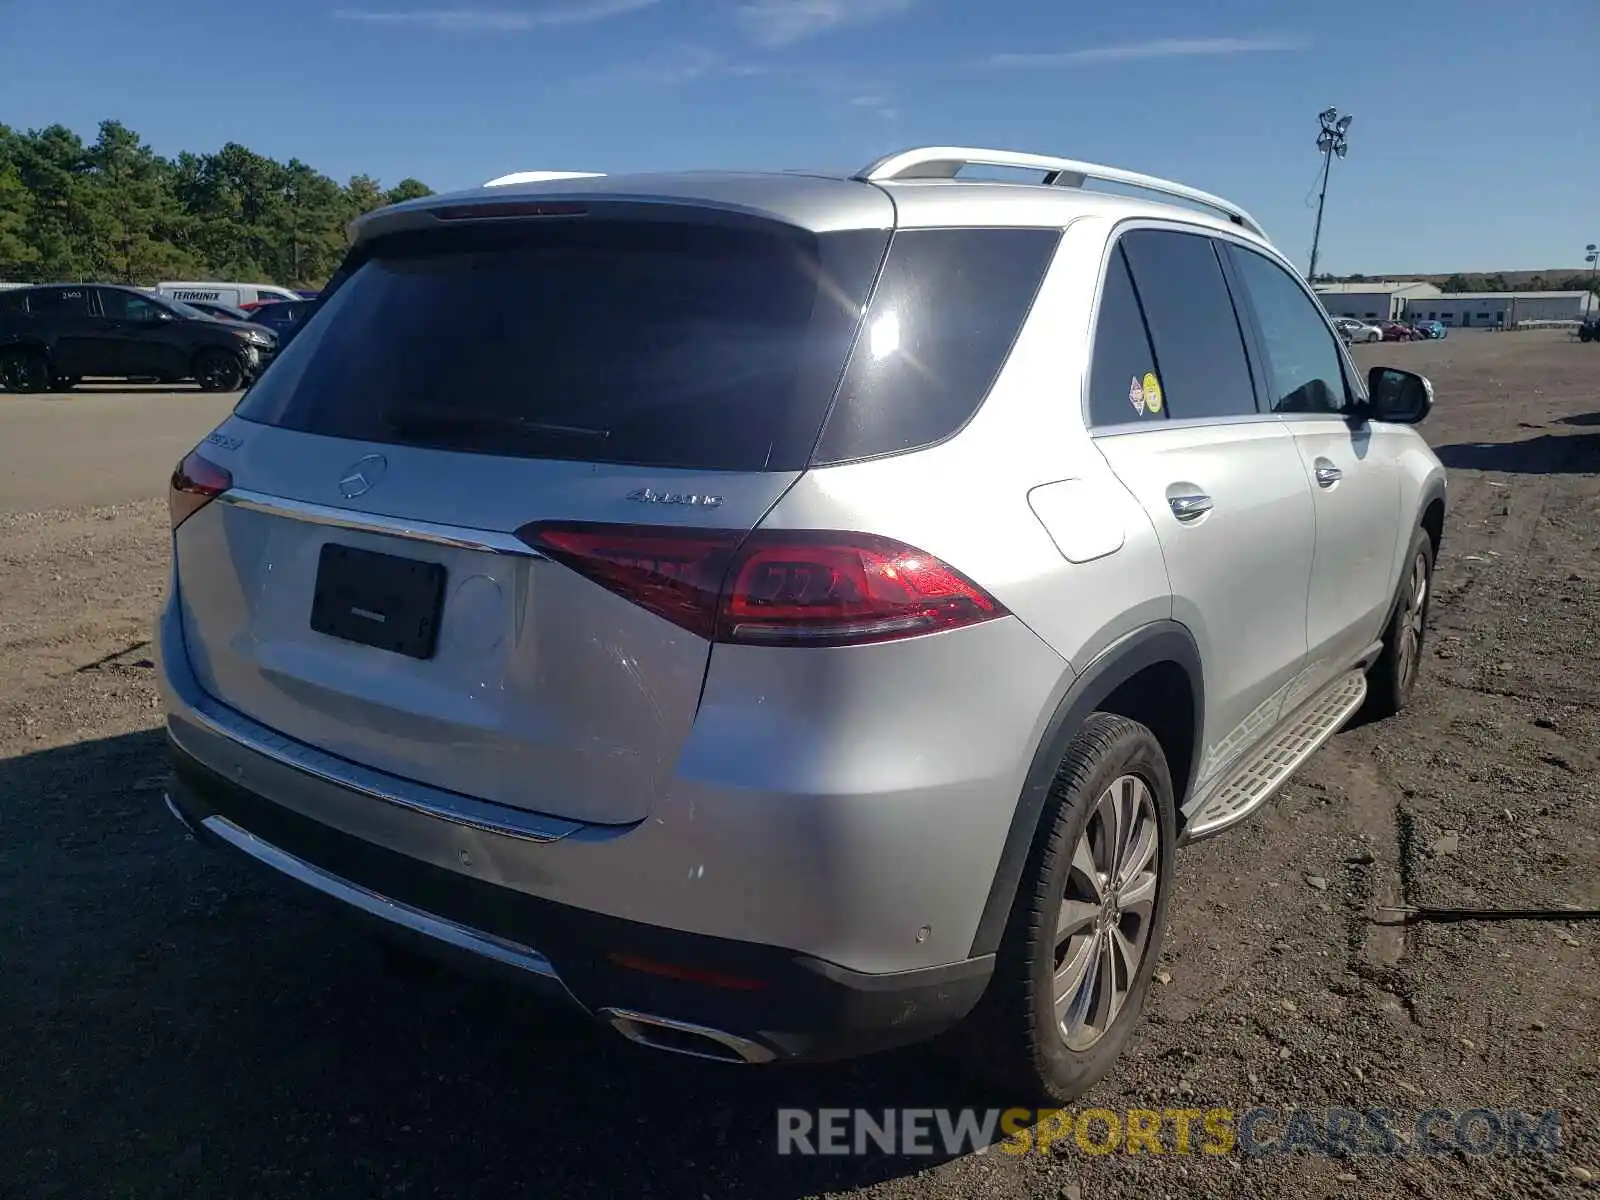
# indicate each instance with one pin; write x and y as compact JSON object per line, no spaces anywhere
{"x":673,"y":67}
{"x":1158,"y":48}
{"x":877,"y":105}
{"x":495,"y":20}
{"x":775,"y":23}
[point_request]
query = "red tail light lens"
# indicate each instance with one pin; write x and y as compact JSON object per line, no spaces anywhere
{"x":196,"y":481}
{"x":772,"y":588}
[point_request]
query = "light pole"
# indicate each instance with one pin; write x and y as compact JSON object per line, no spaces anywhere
{"x":1592,"y":257}
{"x":1330,"y":141}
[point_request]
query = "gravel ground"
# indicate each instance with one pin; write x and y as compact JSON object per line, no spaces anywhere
{"x":178,"y":1026}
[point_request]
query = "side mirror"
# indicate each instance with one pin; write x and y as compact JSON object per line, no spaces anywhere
{"x":1400,"y":397}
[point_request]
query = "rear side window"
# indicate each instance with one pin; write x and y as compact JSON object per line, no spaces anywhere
{"x":1305,"y":369}
{"x":1199,"y":348}
{"x":124,"y":306}
{"x":657,"y":343}
{"x":62,"y":302}
{"x":945,"y":313}
{"x":1123,"y":384}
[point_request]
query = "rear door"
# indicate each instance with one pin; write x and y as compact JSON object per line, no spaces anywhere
{"x":1173,"y":408}
{"x":61,"y":316}
{"x":364,"y":588}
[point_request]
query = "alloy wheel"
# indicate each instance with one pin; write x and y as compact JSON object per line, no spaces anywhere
{"x":1411,"y":621}
{"x":1107,"y":912}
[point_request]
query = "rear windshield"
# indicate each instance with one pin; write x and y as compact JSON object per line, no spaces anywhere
{"x":669,"y":344}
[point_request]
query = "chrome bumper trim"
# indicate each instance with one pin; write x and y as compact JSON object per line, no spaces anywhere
{"x":473,"y":941}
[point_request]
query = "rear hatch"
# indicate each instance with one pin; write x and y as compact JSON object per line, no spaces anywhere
{"x":372,"y":583}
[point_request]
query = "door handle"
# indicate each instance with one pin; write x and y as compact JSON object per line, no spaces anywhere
{"x":1328,"y":475}
{"x":1189,"y":508}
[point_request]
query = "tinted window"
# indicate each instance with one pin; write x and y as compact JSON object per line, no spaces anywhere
{"x":1304,"y":367}
{"x":943,"y":318}
{"x":1199,"y":349}
{"x":125,"y":306}
{"x":13,"y":300}
{"x":279,"y":315}
{"x":58,"y":301}
{"x":657,"y":343}
{"x":1122,"y":358}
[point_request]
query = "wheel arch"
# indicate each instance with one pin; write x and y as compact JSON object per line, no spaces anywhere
{"x":34,"y":344}
{"x":1128,"y":677}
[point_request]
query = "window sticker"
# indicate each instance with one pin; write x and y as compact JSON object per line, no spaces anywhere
{"x":1151,"y":388}
{"x":1136,"y":395}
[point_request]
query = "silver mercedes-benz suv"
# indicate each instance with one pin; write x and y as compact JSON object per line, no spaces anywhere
{"x":788,"y":616}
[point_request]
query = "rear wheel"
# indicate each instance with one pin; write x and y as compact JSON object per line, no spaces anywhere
{"x":24,"y":371}
{"x":1085,"y":931}
{"x":217,"y":371}
{"x":1393,"y":677}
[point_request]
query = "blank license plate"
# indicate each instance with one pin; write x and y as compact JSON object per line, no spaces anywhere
{"x":380,"y":600}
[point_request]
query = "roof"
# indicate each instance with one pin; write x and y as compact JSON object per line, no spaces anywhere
{"x":1506,"y":295}
{"x":1373,"y":285}
{"x":818,"y":203}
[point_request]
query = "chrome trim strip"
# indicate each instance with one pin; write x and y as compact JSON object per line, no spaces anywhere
{"x":474,"y":941}
{"x":178,"y":814}
{"x":467,"y":811}
{"x":487,"y":541}
{"x":633,"y":1026}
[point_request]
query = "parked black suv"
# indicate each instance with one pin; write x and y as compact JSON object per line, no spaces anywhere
{"x":53,"y":335}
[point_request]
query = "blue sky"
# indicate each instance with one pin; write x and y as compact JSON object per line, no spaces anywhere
{"x":1474,"y":142}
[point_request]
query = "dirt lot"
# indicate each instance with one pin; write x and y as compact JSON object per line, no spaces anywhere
{"x":176,"y":1026}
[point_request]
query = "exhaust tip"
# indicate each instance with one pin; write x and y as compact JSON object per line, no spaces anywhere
{"x":681,"y":1037}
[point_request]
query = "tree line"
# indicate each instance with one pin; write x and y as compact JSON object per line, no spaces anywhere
{"x":114,"y":211}
{"x":1554,"y":281}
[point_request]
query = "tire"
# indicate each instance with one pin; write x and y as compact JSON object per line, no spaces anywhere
{"x":1584,"y":335}
{"x":218,"y":371}
{"x":1393,"y":677}
{"x":1014,"y":1035}
{"x":24,"y":371}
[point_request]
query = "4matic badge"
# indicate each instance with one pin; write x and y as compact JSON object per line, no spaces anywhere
{"x":647,"y":495}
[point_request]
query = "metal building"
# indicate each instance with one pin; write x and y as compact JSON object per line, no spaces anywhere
{"x":1372,"y":300}
{"x":1485,"y":310}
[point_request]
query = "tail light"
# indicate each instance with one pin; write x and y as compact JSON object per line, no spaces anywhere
{"x":772,"y":587}
{"x":196,"y":481}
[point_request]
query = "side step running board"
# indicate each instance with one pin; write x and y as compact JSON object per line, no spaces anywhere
{"x":1253,"y":780}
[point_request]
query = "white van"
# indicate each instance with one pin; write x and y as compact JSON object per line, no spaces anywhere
{"x":237,"y":295}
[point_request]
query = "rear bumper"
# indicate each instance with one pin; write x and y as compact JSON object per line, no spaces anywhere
{"x":760,"y":1003}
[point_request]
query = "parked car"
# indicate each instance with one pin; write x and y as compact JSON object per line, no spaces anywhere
{"x":1431,"y":329}
{"x":225,"y":311}
{"x":1399,"y":331}
{"x":53,"y":336}
{"x":282,"y":316}
{"x":773,"y":692}
{"x":1353,"y":330}
{"x":1589,"y":331}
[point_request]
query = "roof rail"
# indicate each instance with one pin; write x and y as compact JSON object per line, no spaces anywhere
{"x":540,"y":177}
{"x":945,"y":162}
